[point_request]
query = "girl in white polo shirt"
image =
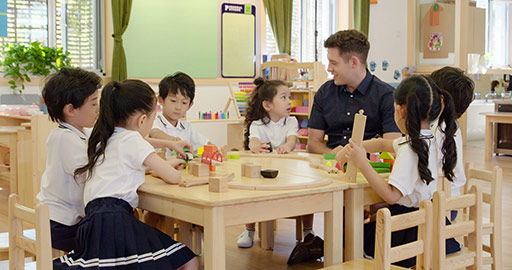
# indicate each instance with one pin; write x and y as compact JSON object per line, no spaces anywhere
{"x":415,"y":171}
{"x":269,"y":127}
{"x":109,"y":236}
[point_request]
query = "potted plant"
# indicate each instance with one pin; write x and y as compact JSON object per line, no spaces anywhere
{"x":21,"y":61}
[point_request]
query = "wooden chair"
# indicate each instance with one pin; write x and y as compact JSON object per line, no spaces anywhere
{"x":18,"y":243}
{"x":385,"y":254}
{"x":469,"y":256}
{"x":492,"y":225}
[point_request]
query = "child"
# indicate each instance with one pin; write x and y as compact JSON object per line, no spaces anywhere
{"x":71,"y":96}
{"x":268,"y":126}
{"x":176,"y":95}
{"x":414,"y":175}
{"x":110,"y":235}
{"x":461,"y":88}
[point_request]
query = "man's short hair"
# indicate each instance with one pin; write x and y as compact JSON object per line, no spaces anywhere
{"x":350,"y":42}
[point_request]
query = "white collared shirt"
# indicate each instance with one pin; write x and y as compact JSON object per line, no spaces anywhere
{"x":182,"y":130}
{"x":405,"y":175}
{"x":121,"y":173}
{"x":459,"y":177}
{"x":274,"y":132}
{"x":66,"y":151}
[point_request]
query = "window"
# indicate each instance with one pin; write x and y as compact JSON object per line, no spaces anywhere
{"x":70,"y":24}
{"x":498,"y":33}
{"x":308,"y":16}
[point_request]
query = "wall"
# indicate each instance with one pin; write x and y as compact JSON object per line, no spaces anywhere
{"x":388,"y":37}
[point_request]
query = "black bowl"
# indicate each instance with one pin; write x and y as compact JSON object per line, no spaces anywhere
{"x":269,"y":173}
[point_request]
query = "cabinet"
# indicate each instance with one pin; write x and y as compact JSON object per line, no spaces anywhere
{"x":304,"y":80}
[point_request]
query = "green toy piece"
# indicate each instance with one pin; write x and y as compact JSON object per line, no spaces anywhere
{"x":233,"y":156}
{"x":379,"y":167}
{"x":385,"y":155}
{"x":329,"y":156}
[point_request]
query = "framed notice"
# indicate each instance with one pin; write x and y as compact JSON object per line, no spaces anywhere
{"x":238,"y":41}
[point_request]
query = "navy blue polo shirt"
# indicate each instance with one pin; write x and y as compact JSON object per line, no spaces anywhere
{"x":334,"y":108}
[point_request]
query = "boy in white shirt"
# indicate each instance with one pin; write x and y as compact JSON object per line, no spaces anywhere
{"x":176,"y":96}
{"x":71,"y":96}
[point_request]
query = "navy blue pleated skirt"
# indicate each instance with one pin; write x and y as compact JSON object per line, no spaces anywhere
{"x":110,"y":237}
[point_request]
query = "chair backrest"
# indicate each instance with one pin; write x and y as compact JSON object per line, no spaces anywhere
{"x":421,"y":248}
{"x":471,"y":227}
{"x":18,"y":244}
{"x":494,"y":179}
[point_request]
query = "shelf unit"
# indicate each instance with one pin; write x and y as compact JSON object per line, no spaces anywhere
{"x":304,"y":80}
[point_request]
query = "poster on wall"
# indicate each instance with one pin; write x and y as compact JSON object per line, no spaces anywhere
{"x":437,"y":31}
{"x":238,"y":41}
{"x":3,"y":18}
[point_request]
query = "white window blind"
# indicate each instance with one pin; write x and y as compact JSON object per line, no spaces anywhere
{"x":75,"y":22}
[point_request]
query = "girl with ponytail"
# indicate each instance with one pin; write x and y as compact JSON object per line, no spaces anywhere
{"x":268,"y":127}
{"x":118,"y":154}
{"x":418,"y":102}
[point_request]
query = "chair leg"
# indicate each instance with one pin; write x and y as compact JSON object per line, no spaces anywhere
{"x":298,"y":228}
{"x":496,"y":251}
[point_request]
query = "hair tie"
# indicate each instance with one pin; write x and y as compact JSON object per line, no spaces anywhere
{"x":117,"y":85}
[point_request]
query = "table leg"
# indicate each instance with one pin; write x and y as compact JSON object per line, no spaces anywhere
{"x":333,"y":227}
{"x":354,"y":223}
{"x":488,"y":139}
{"x":214,"y":248}
{"x":267,"y":234}
{"x":185,"y":234}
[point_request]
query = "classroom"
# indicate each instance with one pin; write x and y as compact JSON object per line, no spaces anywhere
{"x":263,"y":134}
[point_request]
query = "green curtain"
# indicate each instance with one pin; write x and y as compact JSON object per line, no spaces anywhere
{"x":120,"y":17}
{"x":362,"y":15}
{"x":280,"y":17}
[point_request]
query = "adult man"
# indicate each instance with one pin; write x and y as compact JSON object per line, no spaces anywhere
{"x":352,"y":88}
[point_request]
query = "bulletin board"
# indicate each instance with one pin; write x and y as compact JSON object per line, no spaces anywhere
{"x":163,"y":37}
{"x":3,"y":18}
{"x":238,"y":45}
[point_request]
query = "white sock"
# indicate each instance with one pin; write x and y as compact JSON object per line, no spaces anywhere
{"x":308,"y":231}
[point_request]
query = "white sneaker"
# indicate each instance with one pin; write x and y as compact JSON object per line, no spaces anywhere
{"x":246,"y":239}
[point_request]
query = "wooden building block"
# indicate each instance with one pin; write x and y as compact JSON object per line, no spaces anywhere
{"x":357,"y":138}
{"x":244,"y":165}
{"x":218,"y":184}
{"x":210,"y":148}
{"x":201,"y":170}
{"x":252,"y":171}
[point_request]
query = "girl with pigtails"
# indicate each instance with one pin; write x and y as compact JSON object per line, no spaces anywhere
{"x":418,"y":102}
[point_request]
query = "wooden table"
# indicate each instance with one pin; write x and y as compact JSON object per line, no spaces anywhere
{"x":491,"y":119}
{"x":215,"y":211}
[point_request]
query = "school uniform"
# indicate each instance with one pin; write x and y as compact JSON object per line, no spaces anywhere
{"x":406,"y":178}
{"x":459,"y":178}
{"x":274,"y":132}
{"x":109,"y":235}
{"x":66,"y":151}
{"x":182,"y":130}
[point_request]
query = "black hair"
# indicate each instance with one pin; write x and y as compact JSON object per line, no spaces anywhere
{"x":494,"y":84}
{"x":422,"y":98}
{"x":68,"y":86}
{"x":178,"y":81}
{"x":455,"y":82}
{"x":349,"y":42}
{"x":119,"y":101}
{"x":264,"y":91}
